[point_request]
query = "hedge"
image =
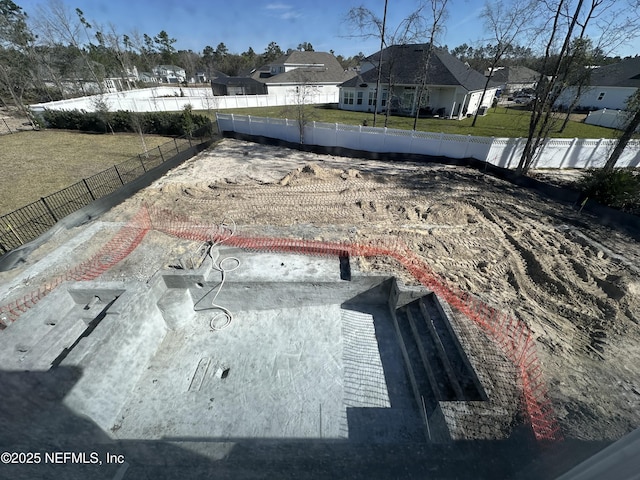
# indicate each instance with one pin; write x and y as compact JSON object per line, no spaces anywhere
{"x":159,"y":123}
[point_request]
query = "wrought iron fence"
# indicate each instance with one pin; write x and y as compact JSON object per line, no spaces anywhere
{"x":31,"y":221}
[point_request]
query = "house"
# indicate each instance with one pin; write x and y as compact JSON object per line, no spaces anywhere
{"x":169,"y":74}
{"x":453,"y":90}
{"x":147,"y":77}
{"x":513,"y":79}
{"x":237,"y":86}
{"x":609,"y":87}
{"x":318,"y":72}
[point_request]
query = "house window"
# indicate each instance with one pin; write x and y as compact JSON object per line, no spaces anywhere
{"x":347,"y":98}
{"x":384,"y":99}
{"x":601,"y":96}
{"x":360,"y":97}
{"x":372,"y":98}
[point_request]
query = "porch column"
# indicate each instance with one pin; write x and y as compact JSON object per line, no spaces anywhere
{"x":463,"y":106}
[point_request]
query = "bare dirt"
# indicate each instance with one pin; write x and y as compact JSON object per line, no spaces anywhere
{"x":574,"y":283}
{"x":11,"y":121}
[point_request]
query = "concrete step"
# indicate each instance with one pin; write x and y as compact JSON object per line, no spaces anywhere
{"x":433,"y":358}
{"x":458,"y":368}
{"x":417,"y":367}
{"x":436,"y":364}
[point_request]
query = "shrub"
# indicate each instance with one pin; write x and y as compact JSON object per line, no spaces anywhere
{"x":618,"y":188}
{"x":159,"y":123}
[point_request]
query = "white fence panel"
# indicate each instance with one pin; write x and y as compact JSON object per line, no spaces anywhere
{"x":505,"y":152}
{"x":607,"y":118}
{"x":323,"y":134}
{"x":502,"y":152}
{"x":588,"y":153}
{"x":631,"y":155}
{"x":426,"y":143}
{"x":373,"y":140}
{"x":160,"y":99}
{"x":554,"y":153}
{"x":397,"y":140}
{"x":348,"y":136}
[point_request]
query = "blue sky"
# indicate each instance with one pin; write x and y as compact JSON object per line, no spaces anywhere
{"x":241,"y":24}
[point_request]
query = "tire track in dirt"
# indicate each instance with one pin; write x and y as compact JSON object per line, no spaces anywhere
{"x":562,"y":287}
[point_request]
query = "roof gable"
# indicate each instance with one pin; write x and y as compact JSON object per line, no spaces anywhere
{"x":404,"y":62}
{"x":315,"y":67}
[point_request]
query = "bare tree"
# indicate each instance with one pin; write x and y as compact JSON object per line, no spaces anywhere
{"x":539,"y":124}
{"x":58,"y":26}
{"x":15,"y":43}
{"x":558,"y":62}
{"x":302,"y":95}
{"x":136,"y":122}
{"x":506,"y":23}
{"x":438,"y":16}
{"x":633,"y":107}
{"x":368,"y":25}
{"x":615,"y":27}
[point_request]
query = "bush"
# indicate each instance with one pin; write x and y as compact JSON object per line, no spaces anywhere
{"x":618,"y":188}
{"x":158,"y":123}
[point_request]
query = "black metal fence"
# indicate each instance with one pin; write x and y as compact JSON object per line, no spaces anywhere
{"x":31,"y":221}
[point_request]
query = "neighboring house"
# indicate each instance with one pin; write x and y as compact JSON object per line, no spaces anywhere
{"x":126,"y":81}
{"x":200,"y":77}
{"x":147,"y":77}
{"x":609,"y":87}
{"x":317,"y":73}
{"x":222,"y":84}
{"x":169,"y":74}
{"x":453,"y":90}
{"x":237,"y":86}
{"x":513,"y":79}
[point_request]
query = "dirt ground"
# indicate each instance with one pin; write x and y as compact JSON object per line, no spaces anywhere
{"x":574,"y":283}
{"x":11,"y":121}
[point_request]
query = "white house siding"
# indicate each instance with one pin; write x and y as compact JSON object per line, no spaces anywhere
{"x":321,"y":93}
{"x":592,"y":98}
{"x":345,"y":104}
{"x":448,"y":98}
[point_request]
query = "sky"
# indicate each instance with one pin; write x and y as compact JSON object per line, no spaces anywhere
{"x":241,"y":24}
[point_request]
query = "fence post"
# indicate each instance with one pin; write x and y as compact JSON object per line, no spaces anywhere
{"x":161,"y":156}
{"x":49,"y":209}
{"x":84,"y":180}
{"x":142,"y":163}
{"x":119,"y":176}
{"x":466,"y":147}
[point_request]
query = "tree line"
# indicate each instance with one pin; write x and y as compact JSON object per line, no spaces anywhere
{"x":58,"y":52}
{"x":55,"y":54}
{"x":563,"y":41}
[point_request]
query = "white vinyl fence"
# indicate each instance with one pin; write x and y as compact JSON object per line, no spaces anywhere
{"x":503,"y":152}
{"x":609,"y":118}
{"x":167,"y":99}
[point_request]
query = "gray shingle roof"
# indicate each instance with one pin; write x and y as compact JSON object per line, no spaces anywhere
{"x":515,"y":75}
{"x":404,"y":62}
{"x":321,"y":67}
{"x":625,"y":73}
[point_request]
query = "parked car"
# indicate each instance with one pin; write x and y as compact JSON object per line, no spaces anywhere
{"x":524,"y":99}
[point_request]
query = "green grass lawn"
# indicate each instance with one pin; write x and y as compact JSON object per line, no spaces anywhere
{"x":38,"y":163}
{"x":499,"y":122}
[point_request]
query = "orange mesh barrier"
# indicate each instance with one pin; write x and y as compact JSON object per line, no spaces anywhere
{"x":514,"y":338}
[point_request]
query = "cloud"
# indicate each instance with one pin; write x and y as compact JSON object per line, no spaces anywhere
{"x":278,"y":6}
{"x":283,"y":11}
